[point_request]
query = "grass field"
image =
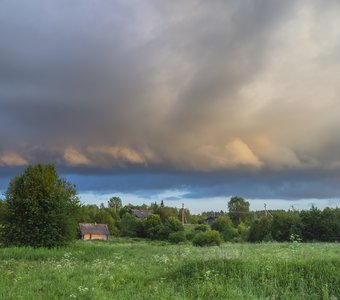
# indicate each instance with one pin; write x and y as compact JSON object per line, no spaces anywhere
{"x":138,"y":269}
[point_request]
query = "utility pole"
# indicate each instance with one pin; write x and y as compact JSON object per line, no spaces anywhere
{"x":265,"y":210}
{"x":183,"y":216}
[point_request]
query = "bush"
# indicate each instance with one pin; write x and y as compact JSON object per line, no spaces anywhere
{"x":208,"y":238}
{"x":243,"y":231}
{"x":260,"y":230}
{"x":177,"y":237}
{"x":130,"y":226}
{"x":161,"y":232}
{"x":224,"y":225}
{"x":201,"y":228}
{"x":190,"y":235}
{"x":174,"y":224}
{"x":152,"y":225}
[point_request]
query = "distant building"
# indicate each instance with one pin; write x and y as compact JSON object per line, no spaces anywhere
{"x":213,"y":216}
{"x":95,"y":231}
{"x":140,"y":214}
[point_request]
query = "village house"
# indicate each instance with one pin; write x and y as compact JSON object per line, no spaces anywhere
{"x":140,"y":214}
{"x":95,"y":231}
{"x":211,"y":218}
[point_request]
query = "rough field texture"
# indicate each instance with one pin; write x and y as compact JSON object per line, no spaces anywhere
{"x":137,"y":269}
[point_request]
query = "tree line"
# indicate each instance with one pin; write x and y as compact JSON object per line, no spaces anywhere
{"x":42,"y":210}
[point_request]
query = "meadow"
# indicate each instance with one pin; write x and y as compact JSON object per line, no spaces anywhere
{"x":139,"y":269}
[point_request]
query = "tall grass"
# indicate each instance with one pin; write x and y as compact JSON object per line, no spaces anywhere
{"x":139,"y":269}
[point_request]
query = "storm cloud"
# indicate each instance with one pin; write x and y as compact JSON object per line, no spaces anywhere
{"x":245,"y":88}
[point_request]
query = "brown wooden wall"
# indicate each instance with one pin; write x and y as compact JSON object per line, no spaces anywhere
{"x":94,"y":237}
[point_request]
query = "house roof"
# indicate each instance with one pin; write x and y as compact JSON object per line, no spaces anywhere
{"x":88,"y":228}
{"x":141,"y":214}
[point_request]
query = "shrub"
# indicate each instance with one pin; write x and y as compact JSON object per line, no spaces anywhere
{"x":174,"y":224}
{"x":201,"y":228}
{"x":177,"y":237}
{"x":161,"y":232}
{"x":152,"y":226}
{"x":260,"y":230}
{"x":243,"y":231}
{"x":224,"y":225}
{"x":190,"y":235}
{"x":208,"y":238}
{"x":131,"y":226}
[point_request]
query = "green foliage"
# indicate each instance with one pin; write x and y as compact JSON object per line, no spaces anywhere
{"x":243,"y":231}
{"x":224,"y":226}
{"x":312,"y":225}
{"x":166,"y":212}
{"x":189,"y":235}
{"x":177,"y":237}
{"x":2,"y":211}
{"x":321,"y":225}
{"x":130,"y":226}
{"x":88,"y":213}
{"x":105,"y":216}
{"x":201,"y":228}
{"x":115,"y":203}
{"x":153,"y":226}
{"x":238,"y":210}
{"x":208,"y":238}
{"x":41,"y":209}
{"x":330,"y":222}
{"x":260,"y":229}
{"x":174,"y":224}
{"x":284,"y":224}
{"x":155,"y":229}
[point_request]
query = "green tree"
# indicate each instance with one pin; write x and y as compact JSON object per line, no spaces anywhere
{"x":243,"y":231}
{"x":321,"y":225}
{"x":330,"y":224}
{"x":2,"y":214}
{"x":130,"y":226}
{"x":284,"y":224}
{"x":104,"y":216}
{"x":166,"y":212}
{"x":115,"y":203}
{"x":41,"y":209}
{"x":260,"y":230}
{"x":152,"y":226}
{"x":238,"y":210}
{"x":88,"y":213}
{"x":224,"y":226}
{"x":2,"y":209}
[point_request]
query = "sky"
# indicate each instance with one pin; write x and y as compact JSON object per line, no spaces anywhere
{"x":184,"y":101}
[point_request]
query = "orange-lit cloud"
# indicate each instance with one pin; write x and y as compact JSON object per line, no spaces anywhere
{"x":118,"y":154}
{"x":12,"y":160}
{"x":75,"y":158}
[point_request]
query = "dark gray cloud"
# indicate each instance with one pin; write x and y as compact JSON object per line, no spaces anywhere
{"x":149,"y":86}
{"x":270,"y":185}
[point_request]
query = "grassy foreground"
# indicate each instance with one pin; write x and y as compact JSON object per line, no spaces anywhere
{"x":132,"y":269}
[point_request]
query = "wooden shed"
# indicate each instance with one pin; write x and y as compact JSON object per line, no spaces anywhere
{"x":90,"y":231}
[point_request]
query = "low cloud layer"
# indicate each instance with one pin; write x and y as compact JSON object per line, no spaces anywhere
{"x":97,"y":86}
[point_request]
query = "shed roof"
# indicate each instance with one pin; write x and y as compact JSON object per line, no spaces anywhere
{"x":90,"y":228}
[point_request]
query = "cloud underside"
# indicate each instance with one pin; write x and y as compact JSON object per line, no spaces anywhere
{"x":199,"y":86}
